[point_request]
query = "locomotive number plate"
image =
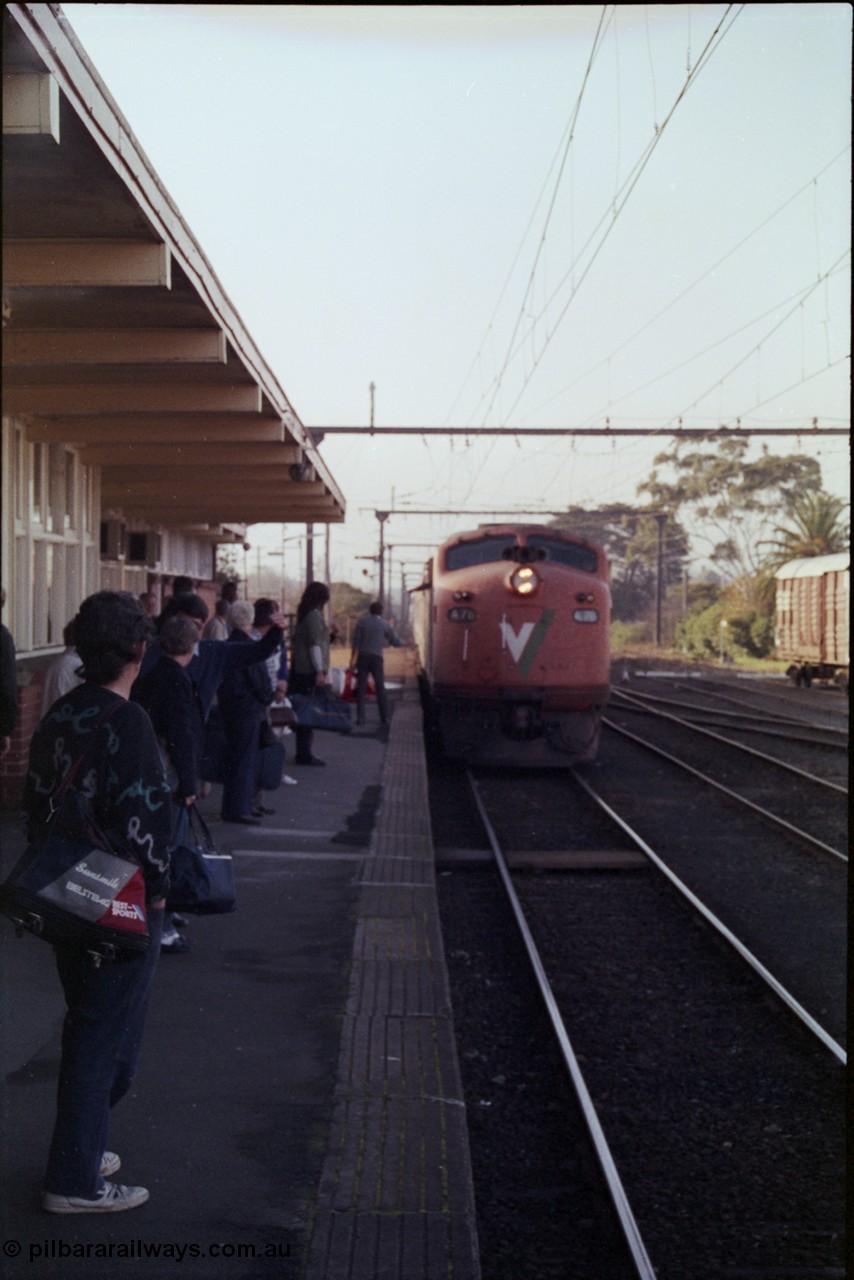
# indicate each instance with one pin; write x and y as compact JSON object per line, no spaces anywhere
{"x":459,"y":614}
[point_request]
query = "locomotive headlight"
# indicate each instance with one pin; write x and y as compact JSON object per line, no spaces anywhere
{"x":524,"y":580}
{"x":586,"y":615}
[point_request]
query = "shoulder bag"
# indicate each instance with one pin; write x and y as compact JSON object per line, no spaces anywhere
{"x":73,"y":888}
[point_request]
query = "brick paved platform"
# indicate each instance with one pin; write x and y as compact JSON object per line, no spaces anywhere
{"x":395,"y":1197}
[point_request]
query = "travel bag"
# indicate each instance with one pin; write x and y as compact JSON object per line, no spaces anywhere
{"x":319,"y":710}
{"x":201,"y":880}
{"x":73,"y":888}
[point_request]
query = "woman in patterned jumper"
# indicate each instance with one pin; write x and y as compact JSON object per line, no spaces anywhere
{"x":122,"y":787}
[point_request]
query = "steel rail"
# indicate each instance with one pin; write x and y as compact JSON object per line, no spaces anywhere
{"x":757,"y":725}
{"x":739,"y":746}
{"x":631,"y":1233}
{"x":788,"y":827}
{"x":712,"y":685}
{"x":767,"y":718}
{"x":777,"y":987}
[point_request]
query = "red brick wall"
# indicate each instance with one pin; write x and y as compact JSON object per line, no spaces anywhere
{"x":13,"y":767}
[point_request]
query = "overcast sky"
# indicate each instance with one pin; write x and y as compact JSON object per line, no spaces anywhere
{"x":510,"y":216}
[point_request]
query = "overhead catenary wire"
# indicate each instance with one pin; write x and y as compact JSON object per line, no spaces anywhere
{"x":758,"y":346}
{"x":799,"y":298}
{"x":565,"y":140}
{"x":711,"y":46}
{"x":609,"y":216}
{"x":570,"y":134}
{"x":811,"y":184}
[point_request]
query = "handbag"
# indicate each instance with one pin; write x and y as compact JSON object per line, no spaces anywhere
{"x":282,"y":714}
{"x":73,"y":888}
{"x":319,"y":710}
{"x":201,"y":878}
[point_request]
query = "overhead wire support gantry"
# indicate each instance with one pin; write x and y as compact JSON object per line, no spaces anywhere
{"x":318,"y":433}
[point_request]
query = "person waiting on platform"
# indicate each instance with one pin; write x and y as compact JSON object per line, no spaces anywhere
{"x":309,"y":659}
{"x":213,"y":660}
{"x":217,"y":628}
{"x":172,"y":701}
{"x":371,"y":635}
{"x":123,"y":791}
{"x":63,"y":672}
{"x":243,"y":697}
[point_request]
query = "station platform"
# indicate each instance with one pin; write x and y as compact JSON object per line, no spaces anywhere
{"x":298,"y":1111}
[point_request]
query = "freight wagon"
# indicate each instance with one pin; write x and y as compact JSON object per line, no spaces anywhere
{"x":812,"y":618}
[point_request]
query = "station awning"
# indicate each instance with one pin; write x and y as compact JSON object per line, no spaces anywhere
{"x":118,"y":337}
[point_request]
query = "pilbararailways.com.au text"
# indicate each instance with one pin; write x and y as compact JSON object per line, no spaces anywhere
{"x":140,"y":1249}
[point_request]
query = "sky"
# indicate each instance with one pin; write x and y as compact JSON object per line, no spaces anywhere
{"x":509,"y":216}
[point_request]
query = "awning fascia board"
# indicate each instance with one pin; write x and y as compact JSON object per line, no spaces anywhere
{"x":34,"y":348}
{"x":82,"y":264}
{"x":198,"y":428}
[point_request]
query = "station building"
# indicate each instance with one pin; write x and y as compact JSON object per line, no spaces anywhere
{"x":141,"y":425}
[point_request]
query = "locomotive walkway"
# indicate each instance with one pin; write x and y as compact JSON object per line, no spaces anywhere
{"x":298,"y":1111}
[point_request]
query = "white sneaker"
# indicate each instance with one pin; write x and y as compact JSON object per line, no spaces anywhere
{"x":110,"y":1164}
{"x":112,"y":1198}
{"x":291,"y":782}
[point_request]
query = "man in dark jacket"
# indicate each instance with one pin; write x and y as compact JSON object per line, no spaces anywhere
{"x":371,"y":635}
{"x":213,"y":660}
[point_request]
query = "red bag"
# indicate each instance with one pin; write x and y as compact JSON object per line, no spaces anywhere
{"x":351,"y":686}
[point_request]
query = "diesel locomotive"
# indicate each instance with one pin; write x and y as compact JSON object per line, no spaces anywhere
{"x":512,"y":625}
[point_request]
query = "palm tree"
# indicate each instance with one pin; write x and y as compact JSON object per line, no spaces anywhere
{"x":815,"y":528}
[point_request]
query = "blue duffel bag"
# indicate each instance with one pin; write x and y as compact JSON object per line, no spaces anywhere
{"x":201,"y":878}
{"x":320,"y":710}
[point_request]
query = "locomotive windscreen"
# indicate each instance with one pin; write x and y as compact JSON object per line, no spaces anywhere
{"x":539,"y":547}
{"x":572,"y":554}
{"x":484,"y":551}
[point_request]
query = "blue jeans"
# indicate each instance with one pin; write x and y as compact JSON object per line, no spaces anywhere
{"x":101,"y":1039}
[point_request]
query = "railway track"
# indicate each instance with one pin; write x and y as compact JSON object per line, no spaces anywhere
{"x":822,"y":705}
{"x":757,"y":778}
{"x":565,"y":889}
{"x":767,"y":724}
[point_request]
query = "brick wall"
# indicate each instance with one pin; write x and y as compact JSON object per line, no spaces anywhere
{"x":13,"y":767}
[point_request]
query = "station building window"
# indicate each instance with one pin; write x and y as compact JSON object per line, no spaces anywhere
{"x":50,"y":562}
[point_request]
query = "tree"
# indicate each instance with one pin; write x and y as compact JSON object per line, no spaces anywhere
{"x":814,"y":528}
{"x":629,"y":538}
{"x":731,"y":501}
{"x":717,"y":622}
